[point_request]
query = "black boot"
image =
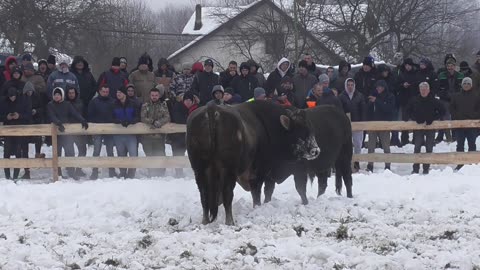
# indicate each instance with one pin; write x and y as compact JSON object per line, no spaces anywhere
{"x":112,"y":173}
{"x":458,"y":167}
{"x":26,"y":175}
{"x":16,"y":172}
{"x":370,"y":168}
{"x":7,"y":173}
{"x":80,"y":173}
{"x":94,"y":175}
{"x":356,"y":167}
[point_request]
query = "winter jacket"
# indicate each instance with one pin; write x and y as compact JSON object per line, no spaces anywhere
{"x":181,"y":84}
{"x":425,"y":109}
{"x":143,"y":81}
{"x":404,"y":94}
{"x":465,"y":105}
{"x":151,"y":112}
{"x":21,"y":105}
{"x":86,"y":81}
{"x":38,"y":103}
{"x":126,"y":112}
{"x":383,"y":107}
{"x":274,"y":79}
{"x":202,"y":85}
{"x":428,"y":75}
{"x":7,"y":73}
{"x":365,"y":82}
{"x":449,"y":84}
{"x":327,"y":98}
{"x":302,"y":85}
{"x":180,"y":112}
{"x":38,"y":83}
{"x":17,"y":84}
{"x":226,"y":79}
{"x":60,"y":79}
{"x":260,"y":77}
{"x":356,"y":106}
{"x":160,"y":73}
{"x":236,"y":99}
{"x":63,"y":112}
{"x":244,"y":85}
{"x":100,"y":110}
{"x":78,"y":105}
{"x":475,"y":76}
{"x":114,"y":79}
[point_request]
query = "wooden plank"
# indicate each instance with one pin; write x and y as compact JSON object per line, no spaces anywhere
{"x":412,"y":125}
{"x":54,"y":132}
{"x":25,"y":163}
{"x":106,"y":129}
{"x":25,"y":130}
{"x":125,"y":162}
{"x":433,"y":158}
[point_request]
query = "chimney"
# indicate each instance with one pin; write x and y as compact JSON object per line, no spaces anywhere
{"x":198,"y":17}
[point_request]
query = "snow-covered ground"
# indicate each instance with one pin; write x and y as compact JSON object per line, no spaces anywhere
{"x":395,"y":221}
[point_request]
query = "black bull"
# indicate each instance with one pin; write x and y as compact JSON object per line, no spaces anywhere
{"x":243,"y":143}
{"x":333,"y":133}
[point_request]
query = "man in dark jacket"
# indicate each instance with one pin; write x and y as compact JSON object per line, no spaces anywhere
{"x":343,"y":74}
{"x":113,"y":78}
{"x":230,"y":98}
{"x":227,"y":76}
{"x":311,"y":66}
{"x":61,"y":78}
{"x":465,"y":105}
{"x":43,"y":70}
{"x":86,"y":81}
{"x":125,"y":112}
{"x":124,"y":65}
{"x":14,"y":82}
{"x":15,"y":110}
{"x":100,"y":111}
{"x":244,"y":84}
{"x":79,"y":141}
{"x":385,"y":73}
{"x":407,"y":88}
{"x":38,"y":115}
{"x":365,"y":78}
{"x":380,"y":108}
{"x":303,"y":82}
{"x":322,"y":95}
{"x":61,"y":112}
{"x":449,"y":83}
{"x":353,"y":103}
{"x":424,"y":109}
{"x":254,"y":72}
{"x":275,"y":78}
{"x":472,"y":74}
{"x":204,"y":81}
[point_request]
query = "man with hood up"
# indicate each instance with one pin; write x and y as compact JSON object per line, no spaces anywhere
{"x":15,"y":110}
{"x":62,"y":112}
{"x":86,"y":81}
{"x":254,"y":72}
{"x":80,"y":141}
{"x":43,"y":70}
{"x":343,"y":74}
{"x":142,"y":78}
{"x":15,"y":82}
{"x":353,"y":103}
{"x":38,"y":114}
{"x":61,"y":78}
{"x":217,"y":95}
{"x":10,"y":65}
{"x":366,"y":77}
{"x":472,"y":74}
{"x":163,"y":75}
{"x":244,"y":84}
{"x":275,"y":78}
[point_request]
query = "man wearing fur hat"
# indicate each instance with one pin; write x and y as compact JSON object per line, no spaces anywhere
{"x":155,"y":113}
{"x":142,"y":78}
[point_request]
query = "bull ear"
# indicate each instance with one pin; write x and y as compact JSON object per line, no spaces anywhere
{"x":285,"y":121}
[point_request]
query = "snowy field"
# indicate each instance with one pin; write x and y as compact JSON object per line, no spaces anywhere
{"x":395,"y":221}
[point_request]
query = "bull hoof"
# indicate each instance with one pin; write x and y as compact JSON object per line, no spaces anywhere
{"x":229,"y":222}
{"x":205,"y":221}
{"x":267,"y":200}
{"x":339,"y":192}
{"x":304,"y":202}
{"x":350,"y":195}
{"x":320,"y":193}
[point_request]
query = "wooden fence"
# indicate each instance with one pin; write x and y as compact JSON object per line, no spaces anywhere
{"x":182,"y":162}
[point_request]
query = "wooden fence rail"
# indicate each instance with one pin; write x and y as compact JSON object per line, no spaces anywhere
{"x":183,"y":162}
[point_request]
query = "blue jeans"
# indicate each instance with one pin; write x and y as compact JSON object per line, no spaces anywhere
{"x":126,"y":144}
{"x":466,"y":133}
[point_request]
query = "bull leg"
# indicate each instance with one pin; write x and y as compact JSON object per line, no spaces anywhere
{"x":347,"y":178}
{"x":227,"y":194}
{"x":343,"y":165}
{"x":256,"y":186}
{"x":338,"y":179}
{"x":301,"y":180}
{"x":201,"y":180}
{"x":322,"y":181}
{"x":268,"y":190}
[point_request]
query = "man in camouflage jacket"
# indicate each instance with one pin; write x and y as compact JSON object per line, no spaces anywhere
{"x":155,"y":114}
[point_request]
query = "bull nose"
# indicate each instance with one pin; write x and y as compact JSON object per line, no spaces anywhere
{"x":315,"y":152}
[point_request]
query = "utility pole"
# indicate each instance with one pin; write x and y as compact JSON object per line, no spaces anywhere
{"x":295,"y":27}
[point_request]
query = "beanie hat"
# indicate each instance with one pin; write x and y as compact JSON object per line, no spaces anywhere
{"x":258,"y":92}
{"x":27,"y":57}
{"x":467,"y":80}
{"x":217,"y":88}
{"x":28,"y":66}
{"x":28,"y":87}
{"x":208,"y":62}
{"x":244,"y":65}
{"x":188,"y":95}
{"x":344,"y":63}
{"x":381,"y":83}
{"x":323,"y":78}
{"x":18,"y":70}
{"x":368,"y":61}
{"x":123,"y":60}
{"x":143,"y":60}
{"x":303,"y":64}
{"x":408,"y":61}
{"x":450,"y":59}
{"x":12,"y":92}
{"x":464,"y":65}
{"x":123,"y":89}
{"x":42,"y":61}
{"x":229,"y":90}
{"x":383,"y":67}
{"x":51,"y":59}
{"x":116,"y":62}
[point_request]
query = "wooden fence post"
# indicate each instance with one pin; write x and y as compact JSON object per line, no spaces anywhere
{"x":54,"y":152}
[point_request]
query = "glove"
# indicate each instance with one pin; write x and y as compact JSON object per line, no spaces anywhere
{"x":61,"y":128}
{"x":429,"y":122}
{"x":419,"y":122}
{"x":85,"y":125}
{"x":125,"y":123}
{"x":157,"y":124}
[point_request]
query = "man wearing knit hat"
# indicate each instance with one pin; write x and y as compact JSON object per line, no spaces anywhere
{"x":142,"y":78}
{"x":258,"y":94}
{"x":465,"y":105}
{"x":245,"y":83}
{"x":473,"y":74}
{"x":51,"y":62}
{"x":365,"y":78}
{"x":113,"y":78}
{"x":204,"y":81}
{"x":303,"y":82}
{"x":182,"y":82}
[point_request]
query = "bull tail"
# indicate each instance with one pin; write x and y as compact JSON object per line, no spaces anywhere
{"x":213,"y":183}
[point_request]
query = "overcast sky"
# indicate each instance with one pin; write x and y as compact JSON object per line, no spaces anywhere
{"x":157,"y":4}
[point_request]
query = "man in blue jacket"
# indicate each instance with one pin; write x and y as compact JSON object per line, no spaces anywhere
{"x":381,"y":106}
{"x":61,"y":78}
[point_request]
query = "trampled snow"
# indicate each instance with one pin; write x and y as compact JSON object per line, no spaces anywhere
{"x":395,"y":221}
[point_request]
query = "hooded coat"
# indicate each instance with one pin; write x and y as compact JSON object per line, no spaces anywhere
{"x":428,"y":75}
{"x":160,"y":73}
{"x":339,"y":83}
{"x":354,"y":104}
{"x":62,"y":112}
{"x":7,"y":74}
{"x":38,"y":103}
{"x":383,"y":108}
{"x":274,"y":79}
{"x":77,"y":104}
{"x":202,"y":85}
{"x":86,"y":81}
{"x":260,"y":77}
{"x":16,"y":83}
{"x":406,"y":93}
{"x":60,"y":79}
